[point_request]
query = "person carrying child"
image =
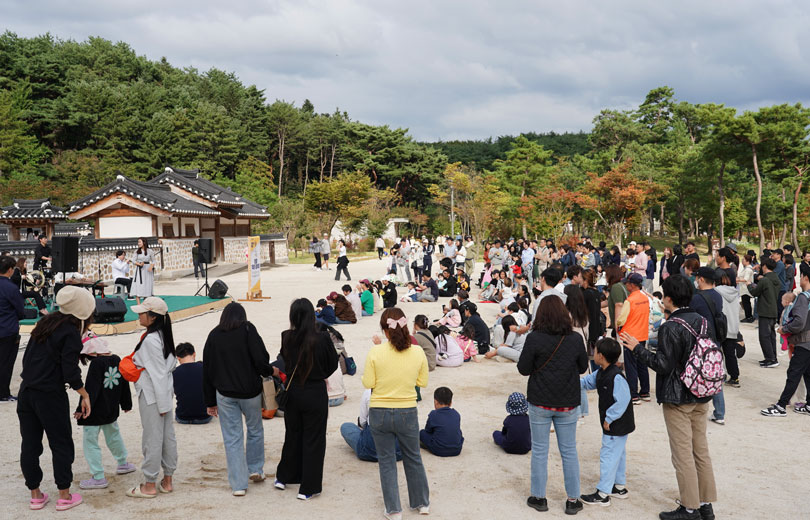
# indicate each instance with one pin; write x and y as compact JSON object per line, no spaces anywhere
{"x":516,"y":436}
{"x":616,"y":416}
{"x":442,"y":434}
{"x":108,"y":391}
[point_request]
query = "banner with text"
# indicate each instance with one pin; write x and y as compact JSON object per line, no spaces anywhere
{"x":255,"y":265}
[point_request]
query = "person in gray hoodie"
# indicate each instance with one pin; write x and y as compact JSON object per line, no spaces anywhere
{"x":731,"y":309}
{"x":798,"y":329}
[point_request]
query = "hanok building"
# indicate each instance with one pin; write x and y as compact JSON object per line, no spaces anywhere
{"x":23,"y":218}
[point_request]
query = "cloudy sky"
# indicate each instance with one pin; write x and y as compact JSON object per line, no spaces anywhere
{"x":462,"y":69}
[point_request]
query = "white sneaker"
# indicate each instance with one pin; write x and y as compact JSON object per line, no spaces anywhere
{"x":393,"y":516}
{"x":239,"y":493}
{"x":424,"y":510}
{"x":257,"y":477}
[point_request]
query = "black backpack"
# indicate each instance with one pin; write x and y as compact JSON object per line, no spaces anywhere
{"x":720,"y":321}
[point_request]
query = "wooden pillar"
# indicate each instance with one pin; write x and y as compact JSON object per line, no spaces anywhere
{"x":154,"y":227}
{"x":97,"y":229}
{"x":218,"y":240}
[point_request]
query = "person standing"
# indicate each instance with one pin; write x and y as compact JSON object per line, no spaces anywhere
{"x":42,"y":254}
{"x":50,"y":362}
{"x":403,"y":256}
{"x":326,"y":249}
{"x":121,"y":267}
{"x":380,"y":245}
{"x":342,"y":261}
{"x":234,"y":361}
{"x":469,"y":262}
{"x":745,"y":277}
{"x":393,"y":371}
{"x":427,"y":261}
{"x":144,"y":280}
{"x":315,"y":249}
{"x":155,"y":391}
{"x":766,"y":291}
{"x":634,"y":319}
{"x":11,"y":312}
{"x":684,"y":413}
{"x":197,"y":259}
{"x":527,"y":262}
{"x":553,"y":356}
{"x":309,"y":359}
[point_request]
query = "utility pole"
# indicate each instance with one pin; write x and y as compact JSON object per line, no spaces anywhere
{"x":452,"y":212}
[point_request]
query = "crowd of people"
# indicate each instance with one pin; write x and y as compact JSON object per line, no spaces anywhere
{"x":577,"y":318}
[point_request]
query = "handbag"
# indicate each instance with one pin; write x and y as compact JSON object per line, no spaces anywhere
{"x":551,"y":356}
{"x":269,"y":394}
{"x":129,"y":371}
{"x":351,"y":366}
{"x":282,"y":394}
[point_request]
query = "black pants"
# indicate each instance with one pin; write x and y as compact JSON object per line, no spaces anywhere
{"x":799,"y":367}
{"x":318,"y":260}
{"x":746,"y":305}
{"x":341,"y":267}
{"x":45,"y":412}
{"x":417,"y":273}
{"x":126,"y":282}
{"x":305,"y":437}
{"x":199,"y":267}
{"x":730,"y":353}
{"x":9,"y":346}
{"x":37,"y":298}
{"x":427,"y":267}
{"x":767,"y":338}
{"x":779,"y":307}
{"x":638,"y":376}
{"x":380,"y":252}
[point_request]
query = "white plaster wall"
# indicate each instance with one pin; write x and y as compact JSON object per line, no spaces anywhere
{"x":174,"y":221}
{"x":125,"y":227}
{"x":194,"y":221}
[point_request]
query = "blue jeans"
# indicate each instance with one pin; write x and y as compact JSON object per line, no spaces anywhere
{"x":583,"y":397}
{"x":389,"y":425}
{"x":336,"y":401}
{"x":638,"y":376}
{"x":367,"y":314}
{"x":719,"y":402}
{"x":244,"y":457}
{"x":565,"y":424}
{"x":338,"y":321}
{"x":351,"y":434}
{"x":612,"y":462}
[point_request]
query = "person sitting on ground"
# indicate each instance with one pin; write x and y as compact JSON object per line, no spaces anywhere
{"x":358,"y":436}
{"x":344,"y":313}
{"x":482,"y":336}
{"x":452,"y":316}
{"x":507,"y":294}
{"x":513,"y":341}
{"x":516,"y":436}
{"x":448,"y":351}
{"x":388,"y":292}
{"x":353,"y":297}
{"x":429,"y":289}
{"x":366,"y":298}
{"x":442,"y":434}
{"x":188,"y":387}
{"x":425,"y":339}
{"x":616,"y":416}
{"x":324,"y":313}
{"x":450,"y":285}
{"x":412,"y":295}
{"x":462,"y":279}
{"x":467,"y":343}
{"x":463,"y":301}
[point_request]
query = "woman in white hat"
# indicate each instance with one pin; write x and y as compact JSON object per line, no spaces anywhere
{"x":155,"y":391}
{"x":50,"y":362}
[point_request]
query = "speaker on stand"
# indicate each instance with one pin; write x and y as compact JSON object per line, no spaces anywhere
{"x":206,"y":247}
{"x":65,"y":254}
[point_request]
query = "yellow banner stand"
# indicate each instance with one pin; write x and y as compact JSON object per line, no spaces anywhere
{"x":254,"y":261}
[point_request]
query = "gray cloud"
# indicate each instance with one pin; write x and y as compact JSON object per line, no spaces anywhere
{"x":468,"y":69}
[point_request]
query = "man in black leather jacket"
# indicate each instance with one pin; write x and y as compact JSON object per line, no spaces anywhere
{"x":684,"y":414}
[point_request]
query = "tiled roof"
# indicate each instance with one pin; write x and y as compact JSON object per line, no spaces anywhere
{"x":190,"y":180}
{"x":71,"y":229}
{"x":156,"y":195}
{"x":32,"y":209}
{"x":23,"y":247}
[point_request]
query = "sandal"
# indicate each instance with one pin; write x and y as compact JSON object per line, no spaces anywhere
{"x":64,"y":505}
{"x":163,"y":489}
{"x":38,"y":503}
{"x":137,"y":493}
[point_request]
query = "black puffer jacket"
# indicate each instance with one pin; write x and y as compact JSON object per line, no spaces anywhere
{"x":674,"y":345}
{"x":557,"y":384}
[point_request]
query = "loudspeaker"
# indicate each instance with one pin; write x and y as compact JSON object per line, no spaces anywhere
{"x":218,"y":290}
{"x":65,"y":254}
{"x":110,"y":310}
{"x":206,"y":250}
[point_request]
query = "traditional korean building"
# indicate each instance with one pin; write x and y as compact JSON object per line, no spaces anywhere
{"x":24,"y":217}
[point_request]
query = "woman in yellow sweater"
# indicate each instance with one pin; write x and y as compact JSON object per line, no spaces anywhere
{"x":393,"y":370}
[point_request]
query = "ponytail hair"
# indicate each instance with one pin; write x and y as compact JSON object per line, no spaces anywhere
{"x":398,"y":335}
{"x":162,"y":325}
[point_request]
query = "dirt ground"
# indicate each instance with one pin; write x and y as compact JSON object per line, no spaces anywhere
{"x":757,"y":460}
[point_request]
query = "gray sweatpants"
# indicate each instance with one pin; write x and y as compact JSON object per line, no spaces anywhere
{"x":158,"y":442}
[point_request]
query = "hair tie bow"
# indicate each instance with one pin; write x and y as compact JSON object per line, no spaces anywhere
{"x":402,"y":322}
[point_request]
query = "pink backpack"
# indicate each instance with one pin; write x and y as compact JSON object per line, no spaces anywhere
{"x":703,"y":374}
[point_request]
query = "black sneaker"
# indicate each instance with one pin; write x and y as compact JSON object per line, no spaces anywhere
{"x":619,"y":493}
{"x":764,"y":362}
{"x":680,"y":514}
{"x":734,"y":382}
{"x":8,"y":399}
{"x":541,"y":504}
{"x":706,"y":512}
{"x":595,"y":499}
{"x":774,"y":411}
{"x":770,"y":364}
{"x":803,"y":409}
{"x":573,"y":507}
{"x":645,"y":397}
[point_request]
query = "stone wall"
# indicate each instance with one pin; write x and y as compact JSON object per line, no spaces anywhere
{"x":176,"y":254}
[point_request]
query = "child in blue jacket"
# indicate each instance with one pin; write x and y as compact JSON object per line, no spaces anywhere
{"x":516,"y":435}
{"x":442,"y":434}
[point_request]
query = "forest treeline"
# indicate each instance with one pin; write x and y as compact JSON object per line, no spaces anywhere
{"x":74,"y":114}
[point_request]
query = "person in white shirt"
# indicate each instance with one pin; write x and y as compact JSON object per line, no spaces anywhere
{"x":354,"y":300}
{"x":461,"y":254}
{"x":120,"y":270}
{"x":380,"y":245}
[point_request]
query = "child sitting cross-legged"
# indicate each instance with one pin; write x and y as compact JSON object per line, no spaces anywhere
{"x":516,"y":435}
{"x":617,"y":421}
{"x":442,"y":434}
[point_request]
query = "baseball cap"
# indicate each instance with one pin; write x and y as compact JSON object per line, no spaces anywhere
{"x":332,"y":296}
{"x":632,"y":243}
{"x":635,"y":278}
{"x":151,"y":304}
{"x":76,"y":301}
